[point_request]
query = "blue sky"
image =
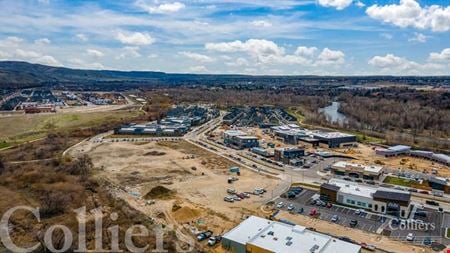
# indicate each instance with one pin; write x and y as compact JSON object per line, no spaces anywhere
{"x":293,"y":37}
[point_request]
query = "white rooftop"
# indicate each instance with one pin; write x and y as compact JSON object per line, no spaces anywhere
{"x":353,"y":188}
{"x":234,"y":133}
{"x":368,"y":168}
{"x":283,"y":238}
{"x":331,"y":134}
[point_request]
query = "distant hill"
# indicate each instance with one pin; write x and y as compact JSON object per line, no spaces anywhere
{"x":15,"y":74}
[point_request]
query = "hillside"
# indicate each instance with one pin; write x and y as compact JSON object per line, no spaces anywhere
{"x":14,"y":74}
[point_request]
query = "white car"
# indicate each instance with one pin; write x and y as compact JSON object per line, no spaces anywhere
{"x":290,"y":207}
{"x":280,"y":205}
{"x":358,"y":212}
{"x":410,"y":237}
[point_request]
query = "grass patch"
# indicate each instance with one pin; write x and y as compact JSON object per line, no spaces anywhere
{"x":4,"y":145}
{"x":405,"y":182}
{"x":23,"y":128}
{"x":296,"y":113}
{"x":448,"y":233}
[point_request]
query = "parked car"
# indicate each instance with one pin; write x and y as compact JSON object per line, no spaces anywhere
{"x":300,"y":210}
{"x":353,"y":223}
{"x":204,"y":235}
{"x":368,"y":246}
{"x":345,"y":239}
{"x":231,"y":191}
{"x":313,"y":212}
{"x":335,"y":218}
{"x":329,"y":205}
{"x":213,"y":240}
{"x":358,"y":212}
{"x":410,"y":237}
{"x":280,"y":205}
{"x":291,"y":207}
{"x":427,"y":241}
{"x":228,"y":199}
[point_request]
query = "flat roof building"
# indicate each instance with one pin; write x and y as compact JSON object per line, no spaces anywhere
{"x":286,"y":154}
{"x":256,"y":234}
{"x":393,"y":151}
{"x":371,"y":172}
{"x":380,"y":200}
{"x":239,"y":139}
{"x":335,"y":139}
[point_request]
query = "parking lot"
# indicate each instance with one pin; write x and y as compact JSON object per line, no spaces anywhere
{"x":369,"y":222}
{"x":366,"y":221}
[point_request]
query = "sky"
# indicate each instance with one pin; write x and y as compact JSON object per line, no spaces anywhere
{"x":259,"y":37}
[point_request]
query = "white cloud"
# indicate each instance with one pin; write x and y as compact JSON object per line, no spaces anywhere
{"x":44,"y":1}
{"x":128,"y":52}
{"x":392,"y":64}
{"x":254,"y":47}
{"x":444,"y":55}
{"x":409,"y":13}
{"x":418,"y":37}
{"x":306,"y":51}
{"x":197,"y":57}
{"x":328,"y":56}
{"x":35,"y":57}
{"x":82,"y":37}
{"x":81,"y":64}
{"x":10,"y":41}
{"x":360,"y":4}
{"x":135,"y":38}
{"x":199,"y":69}
{"x":387,"y":36}
{"x":161,"y":8}
{"x":43,"y":41}
{"x":338,"y":4}
{"x":95,"y":53}
{"x":239,"y":62}
{"x":152,"y":56}
{"x":261,"y":23}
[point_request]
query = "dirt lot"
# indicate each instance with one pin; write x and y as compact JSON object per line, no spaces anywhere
{"x":367,"y":155}
{"x":357,"y":235}
{"x":188,"y":183}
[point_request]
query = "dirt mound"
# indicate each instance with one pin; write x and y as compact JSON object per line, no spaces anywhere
{"x":186,"y":214}
{"x":154,"y":153}
{"x":159,"y":192}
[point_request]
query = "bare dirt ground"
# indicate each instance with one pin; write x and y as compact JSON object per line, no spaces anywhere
{"x":379,"y":241}
{"x":191,"y":182}
{"x":366,"y":154}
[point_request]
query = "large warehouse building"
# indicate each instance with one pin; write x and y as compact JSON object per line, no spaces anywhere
{"x":380,"y":200}
{"x":258,"y":235}
{"x":335,"y":139}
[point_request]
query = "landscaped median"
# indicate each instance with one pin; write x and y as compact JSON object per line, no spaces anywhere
{"x":407,"y":183}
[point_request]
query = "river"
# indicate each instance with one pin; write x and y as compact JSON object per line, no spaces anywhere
{"x":332,"y":114}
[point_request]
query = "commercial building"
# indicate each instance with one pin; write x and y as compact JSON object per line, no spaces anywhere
{"x":239,"y":139}
{"x":439,"y":183}
{"x":285,"y":155}
{"x":262,"y":152}
{"x":258,"y":235}
{"x":354,"y":170}
{"x":289,"y":134}
{"x":153,"y":129}
{"x":335,"y":139}
{"x":406,"y":150}
{"x":379,"y":200}
{"x":393,"y":151}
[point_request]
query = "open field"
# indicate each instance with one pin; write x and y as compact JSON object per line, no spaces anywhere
{"x":187,"y":183}
{"x":26,"y":127}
